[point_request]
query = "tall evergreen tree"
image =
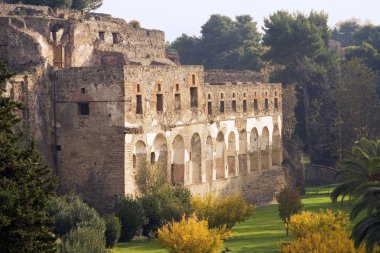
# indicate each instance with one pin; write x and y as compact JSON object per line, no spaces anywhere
{"x":25,"y":185}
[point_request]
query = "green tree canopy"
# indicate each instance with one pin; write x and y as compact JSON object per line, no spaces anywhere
{"x":87,"y":5}
{"x":224,"y":44}
{"x":26,"y":186}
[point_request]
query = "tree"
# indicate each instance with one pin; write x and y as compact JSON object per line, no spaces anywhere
{"x":289,"y":203}
{"x":26,"y":185}
{"x":298,"y":43}
{"x":224,"y":44}
{"x":356,"y":102}
{"x":87,"y":5}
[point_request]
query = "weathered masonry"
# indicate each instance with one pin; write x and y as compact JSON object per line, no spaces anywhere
{"x":103,"y":98}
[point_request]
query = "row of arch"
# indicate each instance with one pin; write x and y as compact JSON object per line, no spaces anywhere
{"x":215,"y":158}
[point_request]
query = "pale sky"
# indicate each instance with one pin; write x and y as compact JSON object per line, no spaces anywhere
{"x":175,"y":17}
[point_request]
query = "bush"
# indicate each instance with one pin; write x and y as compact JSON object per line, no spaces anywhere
{"x":132,"y":217}
{"x":113,"y":230}
{"x":323,"y":242}
{"x":161,"y":201}
{"x":70,"y":211}
{"x":190,"y":236}
{"x":324,"y":232}
{"x":168,"y":203}
{"x":83,"y":240}
{"x":309,"y":222}
{"x":221,"y":211}
{"x":289,"y":203}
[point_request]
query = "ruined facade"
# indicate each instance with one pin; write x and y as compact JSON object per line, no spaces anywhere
{"x":104,"y":97}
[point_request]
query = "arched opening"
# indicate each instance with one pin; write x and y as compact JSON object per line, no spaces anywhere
{"x":139,"y":154}
{"x":276,"y":147}
{"x":231,"y":154}
{"x":265,"y":150}
{"x":160,"y":147}
{"x":242,"y":152}
{"x":196,"y":158}
{"x":219,"y":156}
{"x":254,"y":151}
{"x":178,"y":159}
{"x":209,"y":159}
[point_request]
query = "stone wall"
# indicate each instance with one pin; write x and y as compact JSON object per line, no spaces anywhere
{"x":90,"y":148}
{"x":216,"y":76}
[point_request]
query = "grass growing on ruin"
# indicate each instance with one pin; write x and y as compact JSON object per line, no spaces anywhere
{"x":262,"y":233}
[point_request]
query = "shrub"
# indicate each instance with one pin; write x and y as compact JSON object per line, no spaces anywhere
{"x":70,"y":211}
{"x":289,"y":203}
{"x":190,"y":236}
{"x":221,"y":211}
{"x":132,"y":217}
{"x":113,"y":230}
{"x":83,"y":240}
{"x":337,"y":241}
{"x":166,"y":204}
{"x":309,"y":222}
{"x":324,"y":232}
{"x":161,"y":201}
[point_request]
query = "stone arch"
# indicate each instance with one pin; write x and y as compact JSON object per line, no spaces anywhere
{"x":219,"y":156}
{"x":242,"y":152}
{"x":178,"y":161}
{"x":196,"y":158}
{"x":139,"y":154}
{"x":254,"y":150}
{"x":265,"y":149}
{"x":209,"y":159}
{"x":231,"y":154}
{"x":276,"y":147}
{"x":160,"y":149}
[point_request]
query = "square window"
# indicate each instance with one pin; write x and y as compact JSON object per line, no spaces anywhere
{"x":84,"y":108}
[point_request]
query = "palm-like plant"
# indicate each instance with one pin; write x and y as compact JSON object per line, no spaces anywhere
{"x":362,"y":165}
{"x":361,"y":180}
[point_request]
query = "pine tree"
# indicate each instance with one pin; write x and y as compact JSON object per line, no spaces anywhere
{"x":25,"y":185}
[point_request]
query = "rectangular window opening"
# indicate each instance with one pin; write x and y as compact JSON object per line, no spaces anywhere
{"x":255,"y":104}
{"x":177,"y":98}
{"x":102,"y":35}
{"x":266,"y":104}
{"x":233,"y":105}
{"x":82,"y":90}
{"x":139,"y":109}
{"x":221,"y":109}
{"x":209,"y":108}
{"x":194,"y":97}
{"x":84,"y":108}
{"x":159,"y":103}
{"x":276,"y":103}
{"x":115,"y":38}
{"x":244,"y":105}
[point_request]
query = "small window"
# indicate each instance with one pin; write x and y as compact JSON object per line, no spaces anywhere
{"x":233,"y":105}
{"x":152,"y":158}
{"x":101,"y":35}
{"x":82,"y":90}
{"x":159,"y":87}
{"x":159,"y":104}
{"x":209,"y":108}
{"x":58,"y":148}
{"x":255,"y":94}
{"x":84,"y":108}
{"x":193,"y":79}
{"x":233,"y":95}
{"x":244,"y":94}
{"x":54,"y":36}
{"x":139,"y":109}
{"x":138,"y":87}
{"x":221,"y":108}
{"x":244,"y":105}
{"x":194,"y":97}
{"x":275,"y":93}
{"x":276,"y":103}
{"x":209,"y":96}
{"x":255,"y":104}
{"x":221,"y":95}
{"x":115,"y":38}
{"x":134,"y":161}
{"x":266,"y":104}
{"x":177,"y":99}
{"x":177,"y":87}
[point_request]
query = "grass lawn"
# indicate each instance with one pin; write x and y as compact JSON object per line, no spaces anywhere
{"x":261,"y":233}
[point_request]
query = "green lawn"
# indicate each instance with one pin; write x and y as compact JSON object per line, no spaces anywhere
{"x":261,"y":233}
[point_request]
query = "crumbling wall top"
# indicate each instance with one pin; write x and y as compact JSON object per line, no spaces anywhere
{"x":217,"y":76}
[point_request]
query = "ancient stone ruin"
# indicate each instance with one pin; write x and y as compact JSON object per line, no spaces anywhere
{"x":103,"y":97}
